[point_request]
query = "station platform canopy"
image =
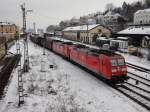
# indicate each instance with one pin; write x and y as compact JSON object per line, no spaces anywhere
{"x":136,"y":30}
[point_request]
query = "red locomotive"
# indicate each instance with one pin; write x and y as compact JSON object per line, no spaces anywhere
{"x":109,"y":65}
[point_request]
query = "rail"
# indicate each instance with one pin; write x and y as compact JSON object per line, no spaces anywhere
{"x":142,"y":69}
{"x":135,"y":96}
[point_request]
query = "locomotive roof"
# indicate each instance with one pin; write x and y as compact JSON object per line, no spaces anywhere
{"x":95,"y":52}
{"x":81,"y":46}
{"x":57,"y":40}
{"x":83,"y":49}
{"x":69,"y":43}
{"x":102,"y":51}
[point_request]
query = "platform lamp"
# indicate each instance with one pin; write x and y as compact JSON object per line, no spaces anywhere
{"x":44,"y":43}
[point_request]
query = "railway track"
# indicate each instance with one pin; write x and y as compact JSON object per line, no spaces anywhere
{"x":138,"y":89}
{"x":139,"y":92}
{"x":139,"y":79}
{"x":137,"y":97}
{"x":142,"y":69}
{"x":5,"y":73}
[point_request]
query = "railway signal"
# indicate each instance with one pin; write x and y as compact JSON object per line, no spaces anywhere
{"x":26,"y":55}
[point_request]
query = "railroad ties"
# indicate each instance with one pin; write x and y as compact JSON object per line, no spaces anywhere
{"x":137,"y":87}
{"x":9,"y":64}
{"x":142,"y":69}
{"x":135,"y":96}
{"x":20,"y":72}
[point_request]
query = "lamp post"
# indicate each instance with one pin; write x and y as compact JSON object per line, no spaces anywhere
{"x":44,"y":44}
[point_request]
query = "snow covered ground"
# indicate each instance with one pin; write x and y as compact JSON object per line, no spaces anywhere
{"x":143,"y":62}
{"x":63,"y":88}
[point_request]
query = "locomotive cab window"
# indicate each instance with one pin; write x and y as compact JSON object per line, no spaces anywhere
{"x":113,"y":62}
{"x":116,"y":62}
{"x":121,"y":62}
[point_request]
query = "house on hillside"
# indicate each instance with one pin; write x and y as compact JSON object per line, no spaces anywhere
{"x":142,"y":17}
{"x":114,"y":21}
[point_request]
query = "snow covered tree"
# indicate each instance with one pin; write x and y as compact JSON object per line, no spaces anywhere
{"x":124,"y":6}
{"x":147,"y":3}
{"x":109,"y":7}
{"x":62,"y":24}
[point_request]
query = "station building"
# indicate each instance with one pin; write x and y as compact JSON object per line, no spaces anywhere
{"x":86,"y":33}
{"x":139,"y":35}
{"x":8,"y":31}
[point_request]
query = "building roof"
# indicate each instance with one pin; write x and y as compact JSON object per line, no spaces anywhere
{"x":6,"y":23}
{"x":110,"y":13}
{"x":123,"y":38}
{"x":136,"y":30}
{"x":147,"y":38}
{"x":81,"y":28}
{"x":142,"y":11}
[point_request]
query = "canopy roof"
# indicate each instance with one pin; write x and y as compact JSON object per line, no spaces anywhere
{"x":136,"y":30}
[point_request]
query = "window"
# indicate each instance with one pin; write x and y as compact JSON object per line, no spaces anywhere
{"x":121,"y":62}
{"x":113,"y":62}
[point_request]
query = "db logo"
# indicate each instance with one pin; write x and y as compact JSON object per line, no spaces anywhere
{"x":118,"y":68}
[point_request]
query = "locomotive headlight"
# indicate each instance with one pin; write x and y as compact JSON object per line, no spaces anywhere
{"x":124,"y":69}
{"x":114,"y":70}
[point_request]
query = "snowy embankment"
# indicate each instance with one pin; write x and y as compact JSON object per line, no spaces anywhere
{"x":143,"y":62}
{"x":63,"y":88}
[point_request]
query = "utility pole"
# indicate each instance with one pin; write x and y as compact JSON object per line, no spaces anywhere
{"x":87,"y":39}
{"x":26,"y":55}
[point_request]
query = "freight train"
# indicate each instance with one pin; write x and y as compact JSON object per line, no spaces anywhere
{"x":107,"y":64}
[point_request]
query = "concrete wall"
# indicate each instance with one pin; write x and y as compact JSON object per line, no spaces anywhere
{"x":70,"y":35}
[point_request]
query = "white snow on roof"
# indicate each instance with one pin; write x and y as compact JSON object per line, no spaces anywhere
{"x":123,"y":38}
{"x":142,"y":11}
{"x":81,"y":28}
{"x":136,"y":30}
{"x":104,"y":38}
{"x":148,"y":38}
{"x":5,"y":23}
{"x":110,"y":13}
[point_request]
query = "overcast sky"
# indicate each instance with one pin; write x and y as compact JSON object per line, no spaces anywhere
{"x":46,"y":12}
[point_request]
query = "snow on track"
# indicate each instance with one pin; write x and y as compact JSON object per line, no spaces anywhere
{"x":63,"y":88}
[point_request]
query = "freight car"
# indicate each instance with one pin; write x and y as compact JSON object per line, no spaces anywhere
{"x":107,"y":64}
